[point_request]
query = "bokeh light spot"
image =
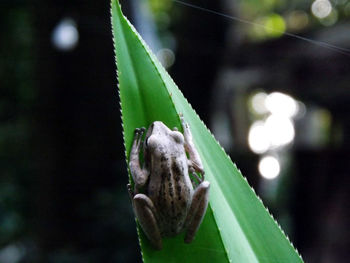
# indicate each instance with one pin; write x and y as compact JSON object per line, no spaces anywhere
{"x":297,"y":20}
{"x":280,"y":130}
{"x":258,"y":103}
{"x":331,"y":19}
{"x":269,"y":167}
{"x":258,"y":138}
{"x":321,"y":8}
{"x":281,"y":104}
{"x":65,"y":35}
{"x":275,"y":25}
{"x":166,"y":56}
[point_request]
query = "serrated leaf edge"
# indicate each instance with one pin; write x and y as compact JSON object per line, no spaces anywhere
{"x":146,"y":48}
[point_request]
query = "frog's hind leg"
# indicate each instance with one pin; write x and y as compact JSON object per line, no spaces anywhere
{"x":146,"y":214}
{"x":197,"y":210}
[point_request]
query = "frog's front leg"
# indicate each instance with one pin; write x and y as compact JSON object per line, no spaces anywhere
{"x":195,"y":162}
{"x":138,"y":174}
{"x":197,"y":210}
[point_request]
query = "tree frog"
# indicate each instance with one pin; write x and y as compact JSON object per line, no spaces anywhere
{"x":166,"y":200}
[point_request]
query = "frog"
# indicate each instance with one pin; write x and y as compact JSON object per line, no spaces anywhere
{"x":166,"y":200}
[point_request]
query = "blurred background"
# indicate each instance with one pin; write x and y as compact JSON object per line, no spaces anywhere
{"x":278,"y":104}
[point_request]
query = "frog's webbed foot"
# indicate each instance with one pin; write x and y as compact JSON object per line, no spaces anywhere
{"x":138,"y":136}
{"x":198,"y":180}
{"x":194,"y":174}
{"x":146,"y":215}
{"x":139,"y":175}
{"x":197,"y":210}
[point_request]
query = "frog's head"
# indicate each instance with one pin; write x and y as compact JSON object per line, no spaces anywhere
{"x":161,"y":134}
{"x":158,"y":128}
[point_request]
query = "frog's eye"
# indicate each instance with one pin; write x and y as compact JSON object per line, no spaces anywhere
{"x":148,"y":141}
{"x":178,"y":137}
{"x":151,"y":141}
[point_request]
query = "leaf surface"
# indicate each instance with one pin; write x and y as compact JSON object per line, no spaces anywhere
{"x":237,"y":227}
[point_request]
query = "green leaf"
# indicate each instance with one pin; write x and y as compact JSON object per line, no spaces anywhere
{"x":237,"y":227}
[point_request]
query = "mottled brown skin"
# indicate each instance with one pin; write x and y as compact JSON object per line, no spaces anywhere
{"x":169,"y":203}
